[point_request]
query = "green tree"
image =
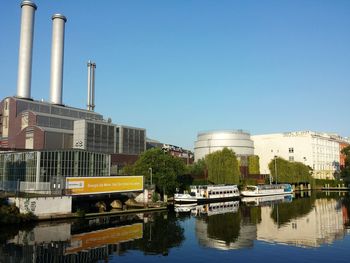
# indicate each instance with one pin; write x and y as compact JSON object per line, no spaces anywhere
{"x":197,"y":169}
{"x":166,"y":169}
{"x":253,"y":164}
{"x":290,"y":172}
{"x":345,"y":172}
{"x":223,"y":167}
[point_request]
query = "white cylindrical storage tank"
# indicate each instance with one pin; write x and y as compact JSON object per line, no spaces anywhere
{"x":57,"y":55}
{"x":26,"y":49}
{"x":207,"y":142}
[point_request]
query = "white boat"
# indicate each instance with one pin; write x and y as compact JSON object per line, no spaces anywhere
{"x":267,"y":189}
{"x":205,"y":193}
{"x":185,"y":198}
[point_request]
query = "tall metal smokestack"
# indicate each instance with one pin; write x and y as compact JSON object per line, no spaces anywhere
{"x":57,"y":53}
{"x":91,"y":86}
{"x":26,"y":49}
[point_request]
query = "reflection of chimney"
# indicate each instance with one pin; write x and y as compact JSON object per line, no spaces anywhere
{"x":26,"y":49}
{"x":57,"y":53}
{"x":91,"y":86}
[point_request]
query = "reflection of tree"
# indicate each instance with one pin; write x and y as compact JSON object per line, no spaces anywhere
{"x":346,"y":210}
{"x":251,"y":214}
{"x":284,"y":212}
{"x":162,"y":233}
{"x":225,"y":227}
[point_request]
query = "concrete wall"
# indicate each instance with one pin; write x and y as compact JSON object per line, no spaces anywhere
{"x":44,"y":206}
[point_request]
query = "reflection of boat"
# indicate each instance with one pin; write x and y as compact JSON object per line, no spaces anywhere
{"x":205,"y":193}
{"x":216,"y":208}
{"x":208,"y":209}
{"x":267,"y":200}
{"x":267,"y":189}
{"x":183,"y":208}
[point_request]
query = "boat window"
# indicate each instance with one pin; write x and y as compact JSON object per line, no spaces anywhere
{"x":193,"y":194}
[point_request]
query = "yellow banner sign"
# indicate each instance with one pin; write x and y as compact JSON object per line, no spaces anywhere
{"x":99,"y":185}
{"x":104,"y":237}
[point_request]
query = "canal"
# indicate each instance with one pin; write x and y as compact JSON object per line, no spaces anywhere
{"x":309,"y":227}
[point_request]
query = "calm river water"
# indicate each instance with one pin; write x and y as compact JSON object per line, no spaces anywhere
{"x":306,"y":228}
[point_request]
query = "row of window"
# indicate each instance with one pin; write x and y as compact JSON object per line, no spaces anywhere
{"x":57,"y":110}
{"x":221,"y":192}
{"x":23,"y":166}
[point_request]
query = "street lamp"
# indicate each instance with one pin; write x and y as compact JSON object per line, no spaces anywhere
{"x":150,"y":171}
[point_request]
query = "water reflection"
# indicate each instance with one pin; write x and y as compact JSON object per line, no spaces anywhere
{"x":267,"y":200}
{"x":307,"y":221}
{"x":92,"y":240}
{"x":304,"y":222}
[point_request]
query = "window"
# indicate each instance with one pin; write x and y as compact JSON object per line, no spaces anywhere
{"x":291,"y":150}
{"x":291,"y":158}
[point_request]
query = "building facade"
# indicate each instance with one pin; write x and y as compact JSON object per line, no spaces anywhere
{"x":100,"y":136}
{"x":320,"y":151}
{"x":37,"y":125}
{"x":44,"y":171}
{"x":238,"y":141}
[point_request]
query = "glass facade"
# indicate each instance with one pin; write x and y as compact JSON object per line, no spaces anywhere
{"x":24,"y":166}
{"x":58,"y":140}
{"x":133,"y":141}
{"x":52,"y":122}
{"x":100,"y":137}
{"x":56,"y":110}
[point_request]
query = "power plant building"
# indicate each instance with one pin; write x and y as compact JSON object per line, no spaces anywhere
{"x":53,"y":140}
{"x":29,"y":124}
{"x":236,"y":140}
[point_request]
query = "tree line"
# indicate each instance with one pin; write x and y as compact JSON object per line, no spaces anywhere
{"x":169,"y":173}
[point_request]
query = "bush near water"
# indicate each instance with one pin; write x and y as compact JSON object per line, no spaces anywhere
{"x":9,"y":214}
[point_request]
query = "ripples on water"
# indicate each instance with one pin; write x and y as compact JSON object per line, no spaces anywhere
{"x":308,"y":228}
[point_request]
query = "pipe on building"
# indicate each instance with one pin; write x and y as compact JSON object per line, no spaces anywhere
{"x":26,"y":49}
{"x":91,"y":86}
{"x":57,"y":55}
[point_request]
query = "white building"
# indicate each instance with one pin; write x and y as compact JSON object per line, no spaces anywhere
{"x":236,"y":140}
{"x":320,"y":151}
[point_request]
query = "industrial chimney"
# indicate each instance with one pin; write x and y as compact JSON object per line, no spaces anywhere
{"x":26,"y":49}
{"x":91,"y":86}
{"x":57,"y":53}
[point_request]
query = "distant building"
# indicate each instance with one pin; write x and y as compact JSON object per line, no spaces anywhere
{"x":238,"y":141}
{"x":173,"y":150}
{"x":320,"y":151}
{"x":343,"y":144}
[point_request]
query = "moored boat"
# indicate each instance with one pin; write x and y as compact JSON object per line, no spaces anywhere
{"x":207,"y":193}
{"x":267,"y":189}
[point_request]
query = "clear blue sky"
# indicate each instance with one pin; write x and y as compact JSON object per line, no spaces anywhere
{"x":180,"y":67}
